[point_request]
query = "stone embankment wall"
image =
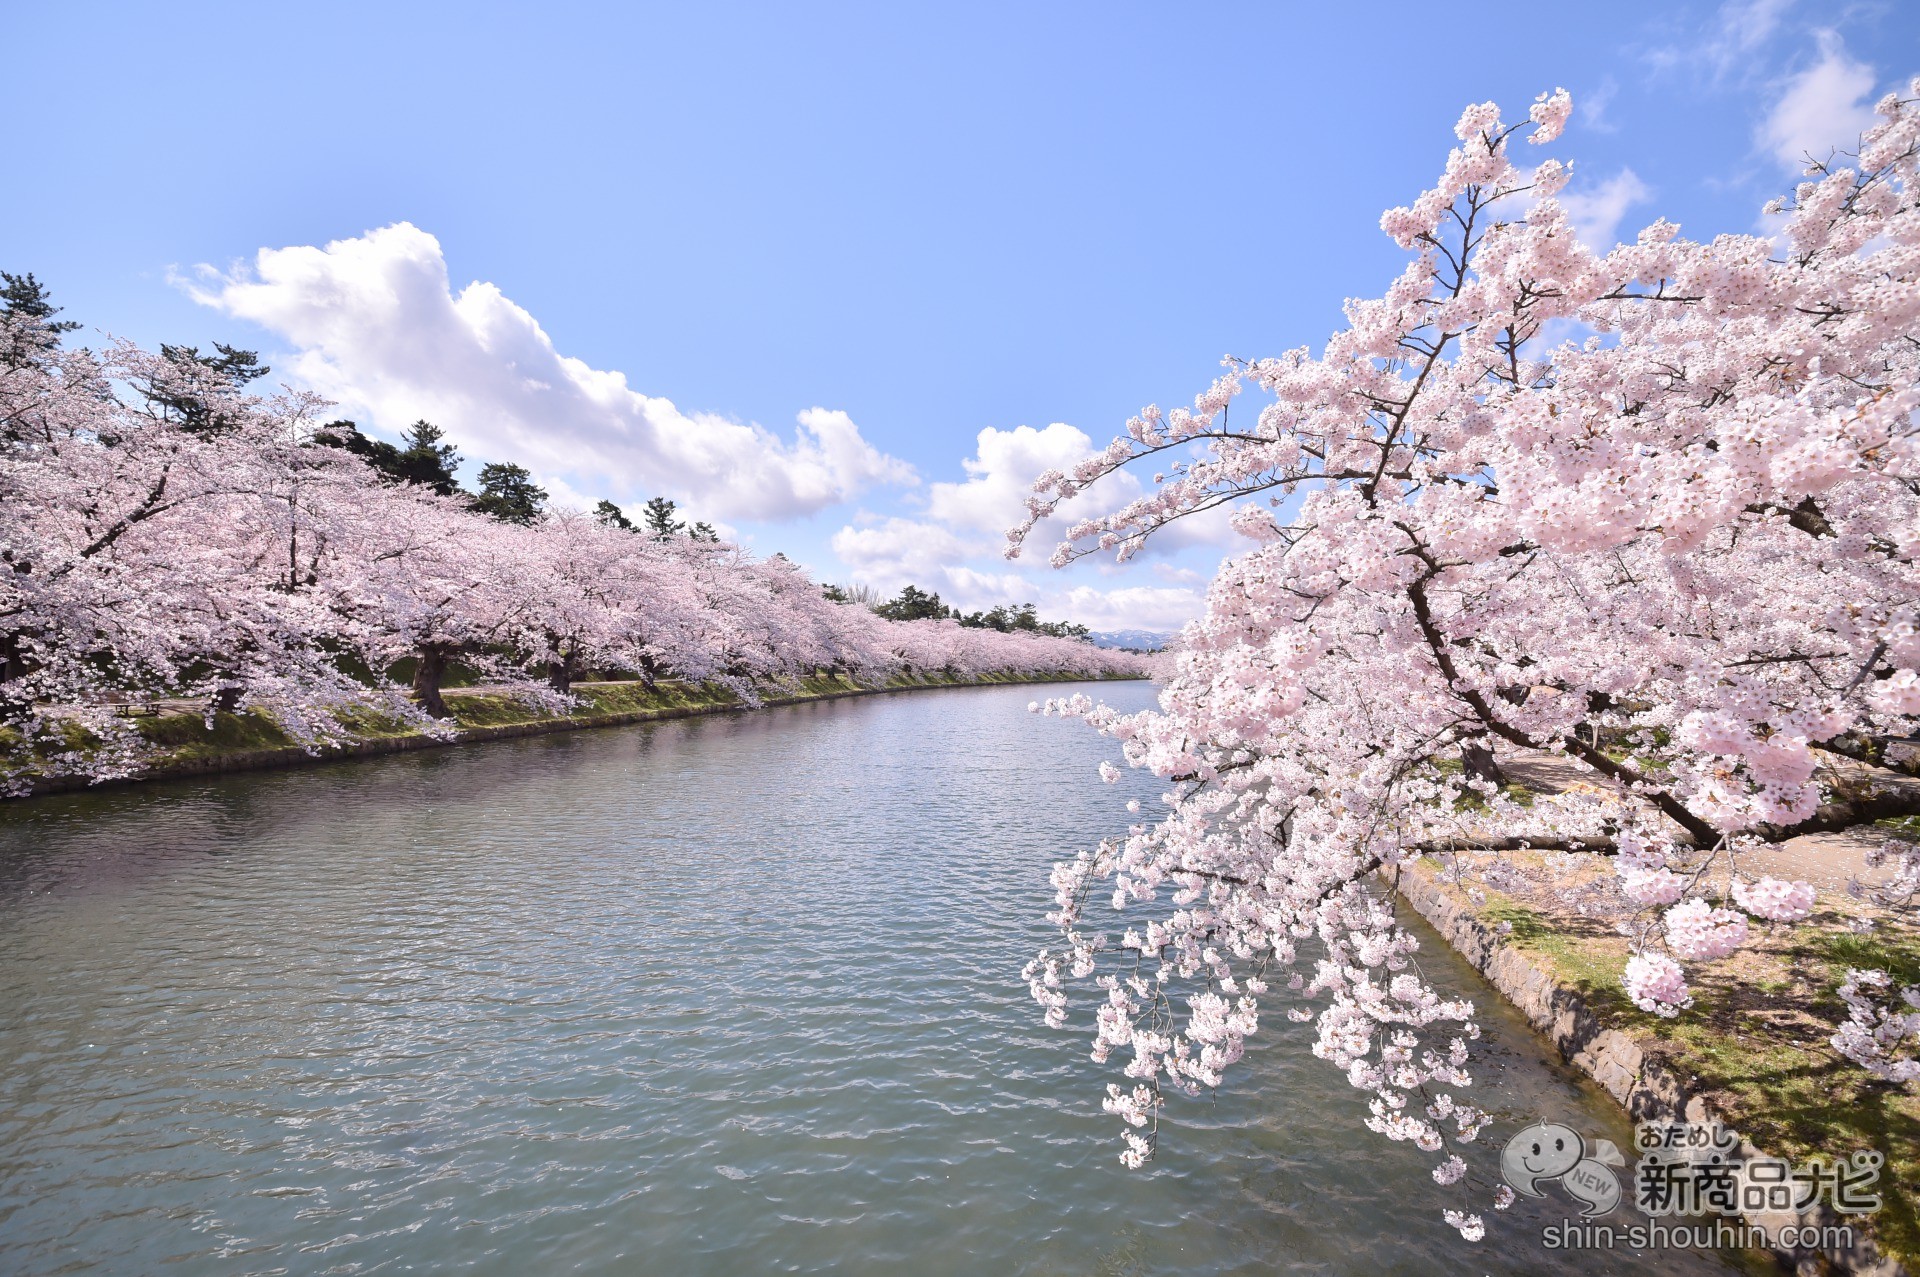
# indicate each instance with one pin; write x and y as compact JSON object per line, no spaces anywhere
{"x":294,"y":756}
{"x":1629,"y":1069}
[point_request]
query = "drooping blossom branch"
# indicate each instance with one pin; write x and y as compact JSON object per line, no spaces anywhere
{"x":1652,"y":511}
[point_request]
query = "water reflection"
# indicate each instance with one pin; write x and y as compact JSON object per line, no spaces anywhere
{"x":713,"y":996}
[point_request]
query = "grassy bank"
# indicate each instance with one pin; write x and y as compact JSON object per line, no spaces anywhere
{"x":1754,"y":1045}
{"x":184,"y":744}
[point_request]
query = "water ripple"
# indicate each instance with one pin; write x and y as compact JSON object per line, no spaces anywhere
{"x":717,"y":996}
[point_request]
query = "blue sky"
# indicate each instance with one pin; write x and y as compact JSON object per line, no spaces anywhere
{"x":873,"y":231}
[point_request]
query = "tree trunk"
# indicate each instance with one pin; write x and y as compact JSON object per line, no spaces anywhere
{"x":427,"y":674}
{"x":560,"y":674}
{"x":226,"y":698}
{"x":1481,"y":765}
{"x":13,"y":667}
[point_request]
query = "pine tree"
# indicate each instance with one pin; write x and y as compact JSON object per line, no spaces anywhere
{"x":659,"y":521}
{"x":24,"y":297}
{"x":915,"y":604}
{"x":613,"y":516}
{"x":425,"y":460}
{"x":232,"y":368}
{"x":508,"y":493}
{"x":420,"y":458}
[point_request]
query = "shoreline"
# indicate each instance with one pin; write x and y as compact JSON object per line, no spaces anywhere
{"x":1647,"y":1086}
{"x":677,"y":701}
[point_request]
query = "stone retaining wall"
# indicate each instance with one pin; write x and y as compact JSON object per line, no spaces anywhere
{"x":1645,"y":1086}
{"x":294,"y":756}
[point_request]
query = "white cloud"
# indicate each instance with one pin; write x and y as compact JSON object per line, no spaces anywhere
{"x":966,"y":523}
{"x":893,"y":552}
{"x":1740,"y":28}
{"x":1001,"y":474}
{"x":1593,"y":106}
{"x":1596,"y":214}
{"x":376,"y":325}
{"x":1148,"y":607}
{"x":1825,"y":108}
{"x":1728,"y":47}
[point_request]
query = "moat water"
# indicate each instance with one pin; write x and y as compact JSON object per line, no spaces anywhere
{"x":719,"y":996}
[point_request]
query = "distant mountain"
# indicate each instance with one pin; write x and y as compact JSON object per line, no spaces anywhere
{"x":1136,"y":640}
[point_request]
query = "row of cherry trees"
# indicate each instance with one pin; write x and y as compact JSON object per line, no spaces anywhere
{"x":163,"y":531}
{"x":1653,"y":511}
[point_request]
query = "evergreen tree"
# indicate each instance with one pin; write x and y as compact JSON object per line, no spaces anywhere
{"x":425,"y":460}
{"x":508,"y":493}
{"x":1024,"y":617}
{"x":914,"y":604}
{"x":347,"y":435}
{"x":659,"y":521}
{"x":233,"y":369}
{"x":613,"y":516}
{"x":421,"y":458}
{"x":24,"y":297}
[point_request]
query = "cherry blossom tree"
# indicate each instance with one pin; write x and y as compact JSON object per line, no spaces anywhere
{"x":150,"y":555}
{"x":164,"y":531}
{"x":1652,"y":510}
{"x":443,"y":585}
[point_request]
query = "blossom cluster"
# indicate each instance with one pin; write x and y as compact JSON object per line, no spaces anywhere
{"x":1879,"y":1035}
{"x":225,"y":552}
{"x":1650,"y":511}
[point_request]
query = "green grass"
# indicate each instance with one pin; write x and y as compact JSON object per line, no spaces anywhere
{"x":1572,"y":959}
{"x":1755,"y":1040}
{"x":1906,"y":827}
{"x":1897,"y":953}
{"x":15,"y":749}
{"x":180,"y":740}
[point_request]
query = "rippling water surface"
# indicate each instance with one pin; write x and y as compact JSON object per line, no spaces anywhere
{"x":726,"y":995}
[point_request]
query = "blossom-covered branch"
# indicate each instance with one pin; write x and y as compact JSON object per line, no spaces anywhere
{"x":164,"y":532}
{"x":1652,"y":510}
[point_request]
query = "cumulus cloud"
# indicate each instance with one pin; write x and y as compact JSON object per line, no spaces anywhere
{"x":890,"y":553}
{"x":1596,"y":214}
{"x":1149,"y":607}
{"x":1824,"y":108}
{"x":376,"y":324}
{"x":893,"y":552}
{"x":966,"y":522}
{"x":1000,"y":475}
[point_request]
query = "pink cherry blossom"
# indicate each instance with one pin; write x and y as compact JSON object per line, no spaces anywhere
{"x":1774,"y":900}
{"x":1699,"y":932}
{"x":1651,"y":512}
{"x":1655,"y":983}
{"x":225,"y":554}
